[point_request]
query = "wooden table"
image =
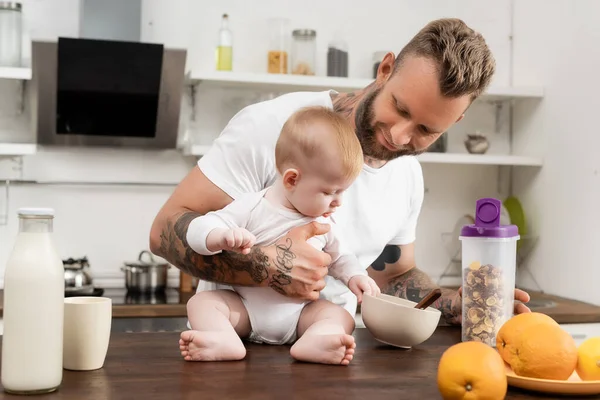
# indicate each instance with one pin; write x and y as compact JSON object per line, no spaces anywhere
{"x":148,"y":366}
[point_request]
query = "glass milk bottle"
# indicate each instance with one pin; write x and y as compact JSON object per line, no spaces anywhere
{"x":34,"y":289}
{"x":489,"y":255}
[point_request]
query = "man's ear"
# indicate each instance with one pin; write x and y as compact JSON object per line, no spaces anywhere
{"x":461,"y":117}
{"x":291,"y":177}
{"x":386,"y":67}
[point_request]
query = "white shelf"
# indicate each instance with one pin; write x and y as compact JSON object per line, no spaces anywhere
{"x":15,"y":73}
{"x":281,"y":82}
{"x":479,"y":159}
{"x":17,"y":149}
{"x":435,"y":158}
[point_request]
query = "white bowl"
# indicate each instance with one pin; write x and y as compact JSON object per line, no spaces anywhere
{"x":394,"y":321}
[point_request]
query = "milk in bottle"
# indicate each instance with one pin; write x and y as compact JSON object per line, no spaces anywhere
{"x":34,"y":288}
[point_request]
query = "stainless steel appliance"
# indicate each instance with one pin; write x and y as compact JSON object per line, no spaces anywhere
{"x":78,"y":279}
{"x":96,"y":92}
{"x":145,"y":276}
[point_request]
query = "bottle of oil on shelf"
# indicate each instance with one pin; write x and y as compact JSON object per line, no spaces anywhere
{"x":224,"y":50}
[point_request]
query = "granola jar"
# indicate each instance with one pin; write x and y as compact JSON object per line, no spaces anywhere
{"x":489,"y":258}
{"x":277,"y":57}
{"x":304,"y":51}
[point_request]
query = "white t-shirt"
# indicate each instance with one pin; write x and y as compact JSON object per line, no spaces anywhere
{"x":380,"y":208}
{"x":268,"y":222}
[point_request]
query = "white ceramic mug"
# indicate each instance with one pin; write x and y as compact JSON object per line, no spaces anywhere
{"x":87,"y":327}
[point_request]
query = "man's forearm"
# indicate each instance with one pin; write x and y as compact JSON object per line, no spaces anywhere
{"x":227,"y":267}
{"x":415,"y":284}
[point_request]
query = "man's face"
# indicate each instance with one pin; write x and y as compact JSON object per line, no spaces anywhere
{"x":405,"y":112}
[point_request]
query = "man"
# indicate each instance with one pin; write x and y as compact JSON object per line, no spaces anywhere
{"x":416,"y":97}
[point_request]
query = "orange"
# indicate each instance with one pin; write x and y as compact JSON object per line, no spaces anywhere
{"x":470,"y":371}
{"x":588,"y":363}
{"x":544,"y":351}
{"x":513,"y":328}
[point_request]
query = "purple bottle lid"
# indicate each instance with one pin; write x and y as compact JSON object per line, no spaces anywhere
{"x":487,"y":221}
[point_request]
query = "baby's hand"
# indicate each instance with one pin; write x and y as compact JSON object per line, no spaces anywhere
{"x":360,"y":284}
{"x":237,"y":239}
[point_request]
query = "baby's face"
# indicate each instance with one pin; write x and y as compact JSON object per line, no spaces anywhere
{"x":318,"y":195}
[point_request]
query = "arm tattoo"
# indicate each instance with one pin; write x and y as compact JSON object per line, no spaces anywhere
{"x":344,"y":103}
{"x":415,"y":284}
{"x":284,"y":265}
{"x":220,"y":268}
{"x":389,"y":255}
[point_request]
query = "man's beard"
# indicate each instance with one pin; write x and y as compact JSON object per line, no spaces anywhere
{"x":366,"y":129}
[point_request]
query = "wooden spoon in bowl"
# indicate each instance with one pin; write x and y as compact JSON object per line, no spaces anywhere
{"x":429,"y":299}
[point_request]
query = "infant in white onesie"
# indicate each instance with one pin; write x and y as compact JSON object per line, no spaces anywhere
{"x":318,"y":156}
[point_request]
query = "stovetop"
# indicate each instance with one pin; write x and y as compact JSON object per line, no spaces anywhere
{"x":121,"y":296}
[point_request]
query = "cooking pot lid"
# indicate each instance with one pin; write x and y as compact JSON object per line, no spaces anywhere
{"x":154,"y":261}
{"x":72,"y":263}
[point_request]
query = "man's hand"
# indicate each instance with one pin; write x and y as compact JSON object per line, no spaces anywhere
{"x":296,"y":268}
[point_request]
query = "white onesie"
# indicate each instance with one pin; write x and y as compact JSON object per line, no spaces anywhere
{"x":273,"y":316}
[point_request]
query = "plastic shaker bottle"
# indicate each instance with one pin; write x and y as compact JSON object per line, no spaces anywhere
{"x":489,"y":257}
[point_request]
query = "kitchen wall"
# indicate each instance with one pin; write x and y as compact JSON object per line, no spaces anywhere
{"x":110,"y":222}
{"x":558,"y":48}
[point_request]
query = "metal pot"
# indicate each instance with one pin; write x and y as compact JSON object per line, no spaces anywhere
{"x":145,"y":276}
{"x":78,"y":279}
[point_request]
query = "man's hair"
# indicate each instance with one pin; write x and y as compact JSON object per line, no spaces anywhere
{"x":300,"y":145}
{"x":463,"y":59}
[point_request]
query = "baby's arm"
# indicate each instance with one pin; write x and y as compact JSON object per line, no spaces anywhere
{"x":223,"y":229}
{"x":346,"y":267}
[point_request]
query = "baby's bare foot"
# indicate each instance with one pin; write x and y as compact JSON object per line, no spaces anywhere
{"x":211,"y":346}
{"x":324,"y":349}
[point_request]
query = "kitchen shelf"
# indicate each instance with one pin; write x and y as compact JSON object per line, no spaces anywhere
{"x":480,"y":159}
{"x":15,"y":73}
{"x":282,"y":82}
{"x":17,"y":149}
{"x":435,"y":158}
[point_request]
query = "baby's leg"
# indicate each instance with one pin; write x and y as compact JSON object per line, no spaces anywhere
{"x":325,"y":334}
{"x":218,"y":318}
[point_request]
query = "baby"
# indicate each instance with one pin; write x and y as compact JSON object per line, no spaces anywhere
{"x":318,"y":156}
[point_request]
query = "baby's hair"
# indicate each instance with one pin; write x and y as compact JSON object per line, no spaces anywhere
{"x":298,"y":145}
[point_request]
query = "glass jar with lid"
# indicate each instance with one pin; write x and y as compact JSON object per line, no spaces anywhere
{"x":277,"y":58}
{"x":304,"y":52}
{"x":10,"y":33}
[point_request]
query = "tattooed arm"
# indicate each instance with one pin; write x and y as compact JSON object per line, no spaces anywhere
{"x":291,"y":266}
{"x":396,"y":274}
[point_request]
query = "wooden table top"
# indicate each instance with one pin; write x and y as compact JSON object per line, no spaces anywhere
{"x":149,"y":366}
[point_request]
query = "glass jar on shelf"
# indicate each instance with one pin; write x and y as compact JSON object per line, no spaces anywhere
{"x":337,"y":58}
{"x":277,"y":61}
{"x":10,"y":33}
{"x":304,"y":51}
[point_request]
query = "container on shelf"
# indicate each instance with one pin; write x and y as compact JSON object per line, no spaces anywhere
{"x":11,"y":21}
{"x":304,"y":51}
{"x":337,"y":58}
{"x":277,"y":58}
{"x":224,"y":50}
